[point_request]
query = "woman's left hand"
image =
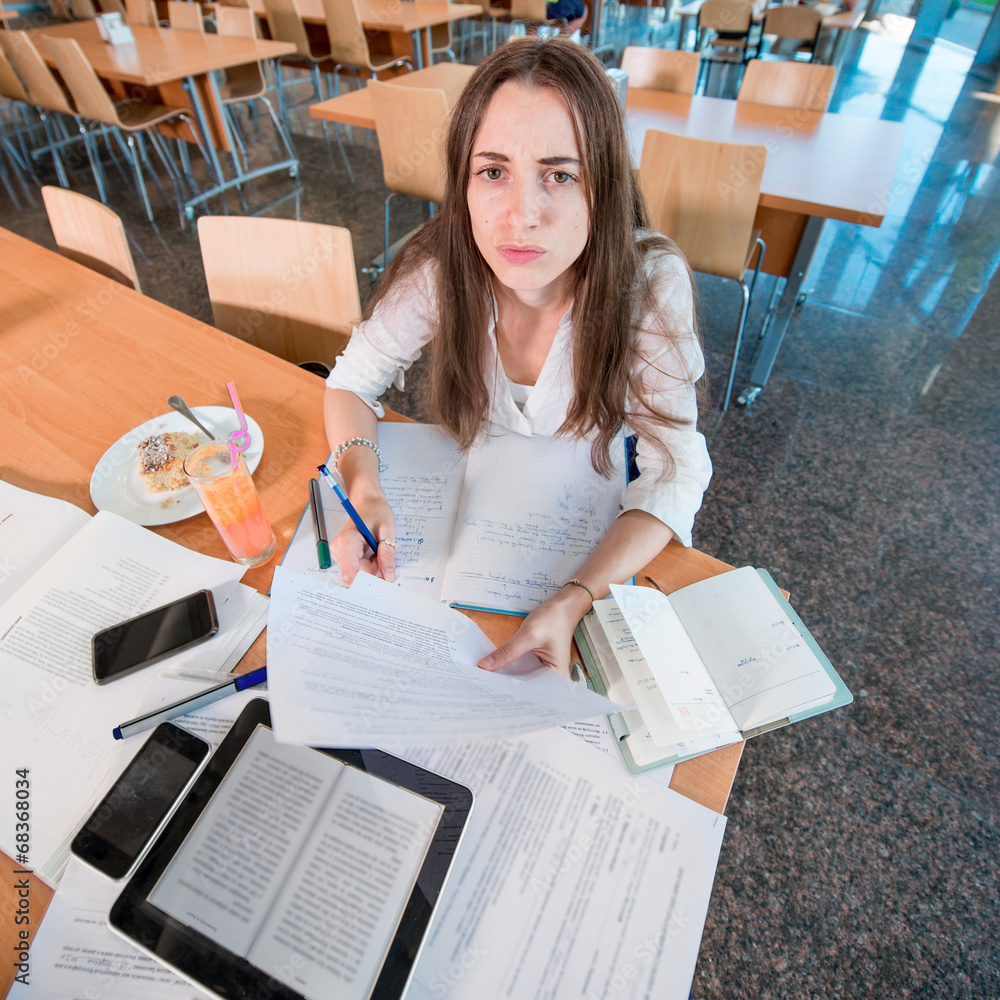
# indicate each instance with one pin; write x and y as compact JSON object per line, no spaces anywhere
{"x":547,"y":632}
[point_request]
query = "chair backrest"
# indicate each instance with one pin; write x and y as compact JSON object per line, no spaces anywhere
{"x":285,"y":24}
{"x":83,"y":10}
{"x":726,"y":15}
{"x":113,"y":7}
{"x":703,"y":194}
{"x":90,"y":233}
{"x":788,"y":84}
{"x":286,"y":286}
{"x":91,"y":99}
{"x":141,"y":12}
{"x":185,"y":16}
{"x":661,"y":69}
{"x":237,"y":22}
{"x":529,"y":10}
{"x":412,"y":125}
{"x":43,"y":88}
{"x":10,"y":83}
{"x":348,"y":42}
{"x":241,"y":22}
{"x":792,"y":22}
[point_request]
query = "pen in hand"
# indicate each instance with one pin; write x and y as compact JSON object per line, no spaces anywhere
{"x":322,"y":543}
{"x":349,"y":507}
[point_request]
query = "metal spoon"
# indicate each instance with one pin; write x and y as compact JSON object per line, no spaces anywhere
{"x":181,"y":407}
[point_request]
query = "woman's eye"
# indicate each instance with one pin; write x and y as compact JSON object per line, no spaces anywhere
{"x":491,"y":173}
{"x":561,"y":177}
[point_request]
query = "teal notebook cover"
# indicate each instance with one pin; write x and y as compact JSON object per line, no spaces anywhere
{"x":841,"y":696}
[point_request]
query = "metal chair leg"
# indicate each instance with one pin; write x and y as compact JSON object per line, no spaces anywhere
{"x":736,"y":346}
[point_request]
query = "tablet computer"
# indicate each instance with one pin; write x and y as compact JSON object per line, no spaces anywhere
{"x":293,"y":872}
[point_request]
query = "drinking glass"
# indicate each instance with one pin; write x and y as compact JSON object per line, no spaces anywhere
{"x":231,"y":501}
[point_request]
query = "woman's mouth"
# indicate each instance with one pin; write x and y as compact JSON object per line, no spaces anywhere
{"x":518,"y":254}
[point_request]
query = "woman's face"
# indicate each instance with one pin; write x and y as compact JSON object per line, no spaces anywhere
{"x":527,"y":198}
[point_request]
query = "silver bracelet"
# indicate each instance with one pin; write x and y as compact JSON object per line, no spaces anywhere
{"x":364,"y":442}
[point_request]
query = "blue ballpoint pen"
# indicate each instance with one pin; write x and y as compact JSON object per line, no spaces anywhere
{"x":349,"y":507}
{"x":185,"y":705}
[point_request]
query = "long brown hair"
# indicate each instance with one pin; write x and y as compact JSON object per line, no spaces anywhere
{"x":611,"y":287}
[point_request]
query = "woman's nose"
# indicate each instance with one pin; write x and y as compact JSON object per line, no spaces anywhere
{"x":524,"y":204}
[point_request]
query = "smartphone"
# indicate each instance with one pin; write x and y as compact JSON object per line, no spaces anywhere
{"x":141,"y":801}
{"x":136,"y":643}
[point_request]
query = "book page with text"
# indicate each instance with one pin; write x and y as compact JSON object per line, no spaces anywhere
{"x":330,"y":929}
{"x":227,"y":874}
{"x":33,"y":527}
{"x":758,"y":658}
{"x":694,"y":700}
{"x":532,"y":510}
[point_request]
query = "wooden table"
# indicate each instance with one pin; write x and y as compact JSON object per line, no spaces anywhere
{"x":407,"y":23}
{"x":819,"y":166}
{"x":180,"y":66}
{"x":355,"y":107}
{"x":78,"y":347}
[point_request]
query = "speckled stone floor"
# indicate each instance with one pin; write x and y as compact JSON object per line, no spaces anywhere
{"x":862,"y":848}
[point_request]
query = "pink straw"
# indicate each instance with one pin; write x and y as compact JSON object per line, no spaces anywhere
{"x":239,"y":440}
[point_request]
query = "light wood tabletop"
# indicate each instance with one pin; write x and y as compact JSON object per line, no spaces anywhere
{"x":83,"y":360}
{"x":355,"y":107}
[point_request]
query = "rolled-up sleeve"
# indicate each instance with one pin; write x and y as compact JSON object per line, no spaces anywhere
{"x":384,"y":346}
{"x":668,"y":366}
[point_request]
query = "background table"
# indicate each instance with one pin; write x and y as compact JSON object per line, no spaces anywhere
{"x":83,"y":360}
{"x":355,"y":107}
{"x":179,"y":66}
{"x":819,"y":166}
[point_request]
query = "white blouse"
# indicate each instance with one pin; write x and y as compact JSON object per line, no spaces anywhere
{"x":383,"y":347}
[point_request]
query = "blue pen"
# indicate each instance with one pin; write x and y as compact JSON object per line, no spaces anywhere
{"x":349,"y":507}
{"x":185,"y":705}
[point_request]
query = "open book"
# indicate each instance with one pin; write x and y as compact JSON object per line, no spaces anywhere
{"x":502,"y":527}
{"x":301,"y":865}
{"x":63,"y":576}
{"x":716,"y":662}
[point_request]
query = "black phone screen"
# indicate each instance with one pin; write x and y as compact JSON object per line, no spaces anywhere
{"x":128,"y":816}
{"x":151,"y":636}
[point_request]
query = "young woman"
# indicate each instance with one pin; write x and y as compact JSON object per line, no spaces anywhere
{"x":550,"y":308}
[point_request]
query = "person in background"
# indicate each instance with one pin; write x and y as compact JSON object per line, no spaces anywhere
{"x":549,"y":307}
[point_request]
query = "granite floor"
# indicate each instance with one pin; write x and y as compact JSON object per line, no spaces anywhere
{"x":861,"y":854}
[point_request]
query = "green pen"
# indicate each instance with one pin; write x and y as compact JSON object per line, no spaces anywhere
{"x":322,"y":545}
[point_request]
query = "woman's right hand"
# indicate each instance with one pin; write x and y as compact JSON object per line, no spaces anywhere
{"x":351,"y":552}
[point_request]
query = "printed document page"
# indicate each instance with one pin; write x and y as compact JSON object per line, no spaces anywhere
{"x":56,"y":721}
{"x":375,"y":664}
{"x":574,"y":880}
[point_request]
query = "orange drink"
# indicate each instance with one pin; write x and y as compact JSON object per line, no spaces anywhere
{"x":231,"y":501}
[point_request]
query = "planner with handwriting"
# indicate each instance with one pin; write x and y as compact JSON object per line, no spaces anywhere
{"x":501,"y":527}
{"x":711,"y":664}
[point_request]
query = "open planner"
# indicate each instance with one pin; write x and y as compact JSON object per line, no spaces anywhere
{"x":293,"y":872}
{"x":716,"y":662}
{"x":501,"y":527}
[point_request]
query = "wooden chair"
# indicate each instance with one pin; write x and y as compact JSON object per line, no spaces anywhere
{"x":141,"y":12}
{"x":703,"y":194}
{"x":800,"y":25}
{"x":285,"y":286}
{"x":15,"y":101}
{"x":411,"y":123}
{"x":47,"y":96}
{"x":788,"y":84}
{"x":285,"y":24}
{"x":349,"y":43}
{"x":132,"y":118}
{"x":441,"y":38}
{"x":248,"y":82}
{"x":91,"y":234}
{"x":83,"y":10}
{"x":661,"y":69}
{"x":185,"y":15}
{"x":723,"y":33}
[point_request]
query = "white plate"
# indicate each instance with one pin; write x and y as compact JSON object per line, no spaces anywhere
{"x":115,"y":484}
